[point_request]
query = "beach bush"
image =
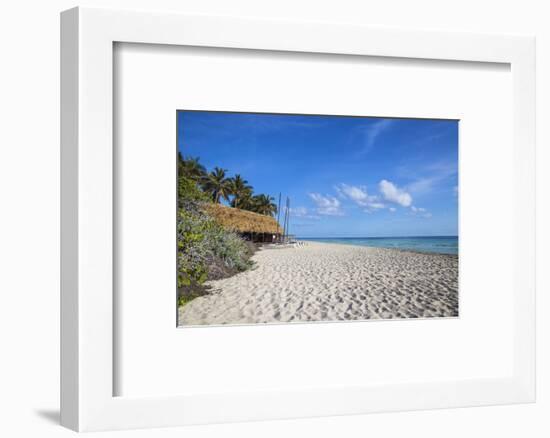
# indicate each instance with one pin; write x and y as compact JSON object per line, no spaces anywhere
{"x":206,"y":251}
{"x":192,"y":251}
{"x":189,"y":194}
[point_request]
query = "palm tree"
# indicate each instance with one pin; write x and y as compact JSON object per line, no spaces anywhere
{"x":217,"y":185}
{"x":240,"y":190}
{"x":191,"y":168}
{"x":264,"y":204}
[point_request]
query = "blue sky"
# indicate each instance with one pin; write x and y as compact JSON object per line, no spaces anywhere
{"x":345,"y":176}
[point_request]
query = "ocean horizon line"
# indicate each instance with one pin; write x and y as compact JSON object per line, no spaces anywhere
{"x":432,"y":244}
{"x":380,"y":237}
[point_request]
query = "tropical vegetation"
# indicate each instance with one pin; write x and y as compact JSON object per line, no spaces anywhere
{"x":207,"y":250}
{"x":217,"y":186}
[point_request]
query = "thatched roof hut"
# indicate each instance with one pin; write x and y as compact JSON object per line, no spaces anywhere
{"x":243,"y":221}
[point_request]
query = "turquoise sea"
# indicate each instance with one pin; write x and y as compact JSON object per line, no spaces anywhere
{"x":435,"y":244}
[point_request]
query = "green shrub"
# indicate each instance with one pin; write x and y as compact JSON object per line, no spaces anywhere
{"x":206,"y":250}
{"x":192,"y":252}
{"x":189,"y":194}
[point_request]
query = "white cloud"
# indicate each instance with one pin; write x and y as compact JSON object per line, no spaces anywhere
{"x":376,"y":129}
{"x":419,"y":211}
{"x":422,"y":185}
{"x":435,"y":174}
{"x":326,"y":205}
{"x":370,"y":132}
{"x":394,"y":194}
{"x":376,"y":205}
{"x":360,"y":196}
{"x":300,"y":212}
{"x":393,"y":209}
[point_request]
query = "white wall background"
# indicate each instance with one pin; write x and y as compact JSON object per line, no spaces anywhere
{"x":29,"y":215}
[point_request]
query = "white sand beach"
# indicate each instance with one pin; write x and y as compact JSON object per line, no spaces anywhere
{"x":330,"y":282}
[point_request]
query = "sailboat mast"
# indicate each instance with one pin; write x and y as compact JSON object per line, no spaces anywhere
{"x":278,"y":217}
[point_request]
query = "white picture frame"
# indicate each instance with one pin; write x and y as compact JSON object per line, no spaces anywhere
{"x":87,"y":317}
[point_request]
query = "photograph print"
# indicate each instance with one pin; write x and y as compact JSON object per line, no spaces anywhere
{"x":293,"y":218}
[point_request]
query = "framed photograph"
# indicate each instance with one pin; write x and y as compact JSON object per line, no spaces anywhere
{"x":304,"y":231}
{"x":275,"y":219}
